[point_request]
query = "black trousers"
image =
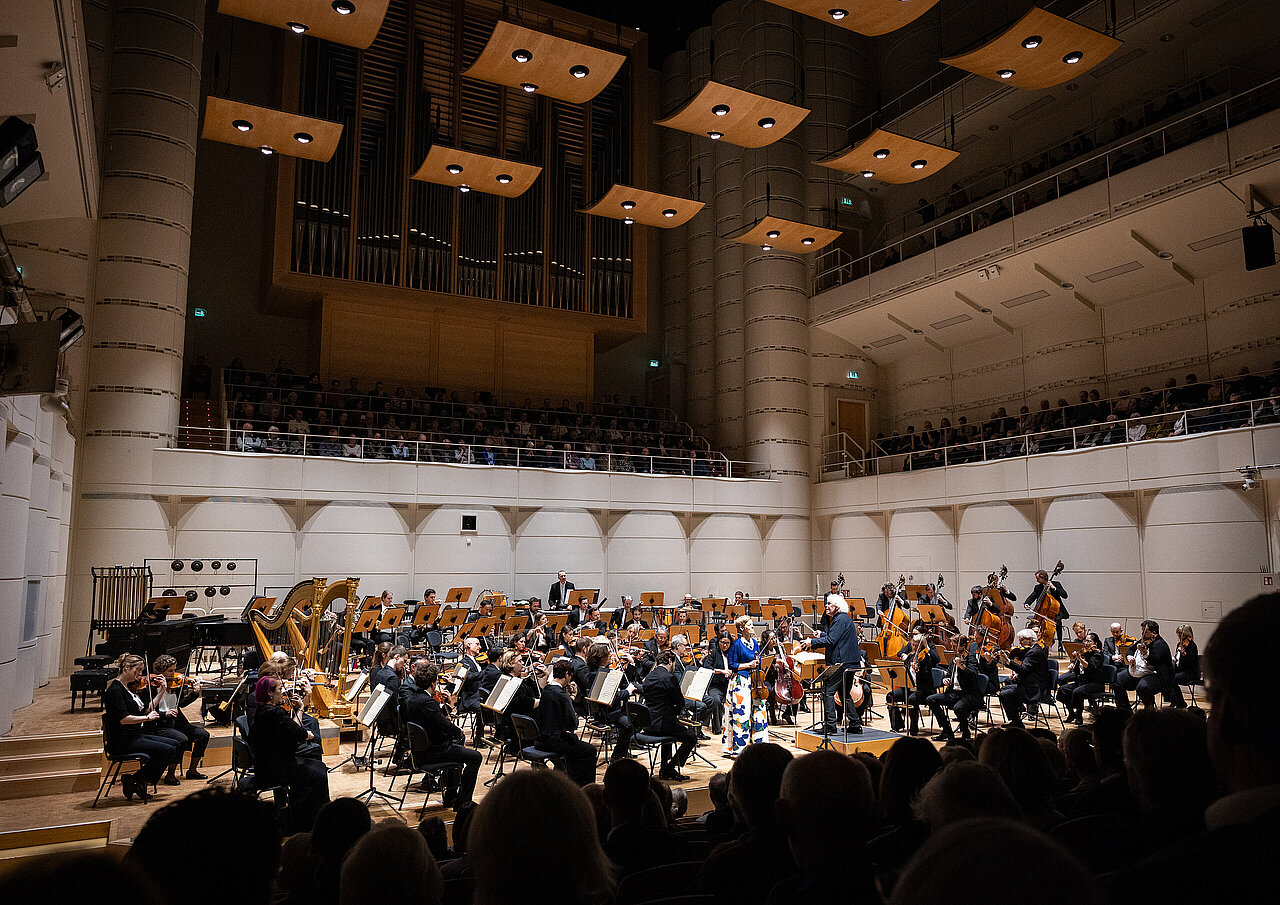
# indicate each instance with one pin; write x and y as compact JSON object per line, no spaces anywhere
{"x":619,"y":720}
{"x":913,"y":700}
{"x":161,"y":748}
{"x":713,"y":701}
{"x":842,"y":683}
{"x":1147,"y":687}
{"x":1012,"y":697}
{"x":1076,"y":694}
{"x":470,"y":760}
{"x":197,"y":737}
{"x":308,"y":782}
{"x":688,"y":739}
{"x":579,"y":756}
{"x":961,"y":704}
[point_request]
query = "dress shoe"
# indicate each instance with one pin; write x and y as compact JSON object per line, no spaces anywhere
{"x":855,"y":729}
{"x":140,"y":789}
{"x":127,"y":786}
{"x":172,"y":780}
{"x":193,"y":773}
{"x":945,"y":737}
{"x":672,"y":775}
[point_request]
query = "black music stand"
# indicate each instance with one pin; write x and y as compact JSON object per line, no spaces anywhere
{"x":499,"y":700}
{"x":831,"y":674}
{"x":368,"y":717}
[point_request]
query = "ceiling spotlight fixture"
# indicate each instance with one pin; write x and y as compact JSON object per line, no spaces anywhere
{"x":867,"y":174}
{"x":1032,"y":42}
{"x":176,"y":565}
{"x":296,"y":27}
{"x":343,"y":7}
{"x":766,"y":247}
{"x":1005,"y":73}
{"x":1072,"y":86}
{"x":504,"y":178}
{"x":529,"y":87}
{"x":191,"y":596}
{"x":522,"y":55}
{"x":837,"y":14}
{"x":918,"y":332}
{"x":669,"y":212}
{"x":985,"y":310}
{"x":302,"y":138}
{"x":720,"y":109}
{"x":216,"y":564}
{"x":453,"y":168}
{"x":242,"y":125}
{"x":882,"y":154}
{"x":579,"y":71}
{"x":1067,"y":285}
{"x":197,"y":566}
{"x":767,"y":122}
{"x":1074,"y":57}
{"x":464,"y":188}
{"x":1166,"y":37}
{"x":627,"y":221}
{"x":773,"y":234}
{"x":628,"y":205}
{"x":231,"y":567}
{"x":919,"y":164}
{"x":714,"y":135}
{"x":267,"y":150}
{"x":224,"y":591}
{"x":807,"y":240}
{"x":210,"y":591}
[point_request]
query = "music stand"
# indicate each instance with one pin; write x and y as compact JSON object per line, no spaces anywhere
{"x":777,"y":608}
{"x":734,"y":610}
{"x":693,"y":686}
{"x":604,"y":690}
{"x":714,"y":604}
{"x":652,"y":599}
{"x":368,"y":718}
{"x":425,"y":614}
{"x":390,"y":618}
{"x":458,"y":596}
{"x":556,"y":623}
{"x":584,"y":597}
{"x":504,"y":692}
{"x":831,"y":674}
{"x":513,"y":624}
{"x":896,"y":676}
{"x":1072,"y":648}
{"x":750,"y":606}
{"x":857,"y":607}
{"x":366,"y":621}
{"x":691,"y":630}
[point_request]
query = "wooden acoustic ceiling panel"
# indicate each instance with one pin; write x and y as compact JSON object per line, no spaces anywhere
{"x":520,"y":57}
{"x":318,"y":18}
{"x":786,"y":235}
{"x":623,"y":202}
{"x":492,"y":175}
{"x":284,"y":133}
{"x":866,"y":17}
{"x":892,"y":158}
{"x":1041,"y":50}
{"x":738,"y":117}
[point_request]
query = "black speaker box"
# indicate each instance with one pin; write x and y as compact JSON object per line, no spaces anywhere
{"x":1259,"y":247}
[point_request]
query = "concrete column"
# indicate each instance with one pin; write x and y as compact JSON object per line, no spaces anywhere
{"x":15,"y":503}
{"x":674,"y":242}
{"x":701,"y":319}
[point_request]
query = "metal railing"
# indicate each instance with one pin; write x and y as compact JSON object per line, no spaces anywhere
{"x":836,"y":267}
{"x":565,"y":457}
{"x":1113,"y":431}
{"x":842,"y":456}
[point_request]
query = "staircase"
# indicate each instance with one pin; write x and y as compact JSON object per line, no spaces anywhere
{"x":50,"y":764}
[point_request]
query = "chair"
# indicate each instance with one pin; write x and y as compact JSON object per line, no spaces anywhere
{"x":1046,"y":700}
{"x":437,"y":775}
{"x":648,"y":742}
{"x":1110,"y":681}
{"x":598,"y":728}
{"x":114,"y":764}
{"x":529,"y":752}
{"x":939,"y":676}
{"x":984,"y":684}
{"x":661,"y":882}
{"x":242,"y":773}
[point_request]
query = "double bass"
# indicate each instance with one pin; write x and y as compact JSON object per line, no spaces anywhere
{"x":1046,"y":609}
{"x":998,"y":624}
{"x":893,"y":624}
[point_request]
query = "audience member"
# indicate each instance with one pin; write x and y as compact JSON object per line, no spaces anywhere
{"x":389,"y":863}
{"x":634,"y":844}
{"x":964,"y":790}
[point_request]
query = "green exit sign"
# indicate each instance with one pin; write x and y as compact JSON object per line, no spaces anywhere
{"x":846,"y":202}
{"x":653,"y":362}
{"x":852,"y":375}
{"x":200,"y":312}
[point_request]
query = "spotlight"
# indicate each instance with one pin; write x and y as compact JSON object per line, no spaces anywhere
{"x":504,"y":178}
{"x":210,"y":591}
{"x":266,"y":150}
{"x":453,"y":168}
{"x":882,"y":154}
{"x":579,"y":71}
{"x":918,"y":164}
{"x":628,"y":205}
{"x":72,"y":329}
{"x":837,"y":14}
{"x":464,"y":188}
{"x":807,"y":240}
{"x":627,"y":221}
{"x":1074,"y":57}
{"x":20,"y":163}
{"x":522,"y":55}
{"x":714,"y":135}
{"x":176,"y":565}
{"x":867,"y":174}
{"x":216,"y":564}
{"x":191,"y":596}
{"x":1248,"y":484}
{"x":296,"y":27}
{"x":343,"y":7}
{"x":1005,"y":73}
{"x":302,"y":138}
{"x":169,"y":592}
{"x":669,"y":212}
{"x":720,"y":109}
{"x":773,"y":234}
{"x":1032,"y":42}
{"x":767,"y":122}
{"x":766,"y":247}
{"x":231,"y":567}
{"x":197,"y":565}
{"x":242,"y":125}
{"x":528,"y":87}
{"x":224,"y":591}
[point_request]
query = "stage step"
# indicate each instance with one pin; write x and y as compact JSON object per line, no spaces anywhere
{"x":62,"y":743}
{"x":61,"y":762}
{"x":56,"y":783}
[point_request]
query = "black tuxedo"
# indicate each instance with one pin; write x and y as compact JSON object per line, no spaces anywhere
{"x":1160,"y":679}
{"x":444,"y":743}
{"x":1030,"y":682}
{"x":664,"y":699}
{"x":923,"y":691}
{"x":962,"y":696}
{"x":557,"y":732}
{"x":555,"y":600}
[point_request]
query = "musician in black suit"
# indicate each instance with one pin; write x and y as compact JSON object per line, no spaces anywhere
{"x":1086,"y":679}
{"x":558,"y":596}
{"x":444,"y":739}
{"x":662,"y":695}
{"x":659,"y":643}
{"x":1152,"y":661}
{"x":469,"y":697}
{"x":840,"y":641}
{"x":627,"y":615}
{"x":390,"y":663}
{"x":959,"y":694}
{"x":1043,"y":584}
{"x":717,"y":692}
{"x":888,"y":591}
{"x":920,"y":658}
{"x":974,"y":606}
{"x":615,"y":713}
{"x":1030,"y":682}
{"x":274,"y":740}
{"x":558,"y":726}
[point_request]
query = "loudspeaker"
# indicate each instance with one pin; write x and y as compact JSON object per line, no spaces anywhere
{"x":1259,"y":247}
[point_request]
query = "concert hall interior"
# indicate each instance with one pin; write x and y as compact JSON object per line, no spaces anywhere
{"x":422,"y":410}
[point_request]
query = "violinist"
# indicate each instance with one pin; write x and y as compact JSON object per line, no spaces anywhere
{"x":558,"y":725}
{"x":659,"y":643}
{"x":274,"y":740}
{"x":747,"y":723}
{"x":525,"y":699}
{"x":1111,"y":647}
{"x":717,"y":660}
{"x":444,"y":739}
{"x":663,"y":697}
{"x":1043,"y":585}
{"x":391,"y":662}
{"x":627,"y":616}
{"x":615,"y":714}
{"x":1150,"y":671}
{"x":960,"y":693}
{"x":1084,"y":680}
{"x":921,"y":657}
{"x":1030,"y":681}
{"x":984,"y":648}
{"x":1186,"y":658}
{"x":131,"y":726}
{"x":539,"y":637}
{"x":840,"y":641}
{"x":187,"y":690}
{"x":483,"y":610}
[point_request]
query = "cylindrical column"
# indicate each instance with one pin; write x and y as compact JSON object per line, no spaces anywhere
{"x":675,"y":241}
{"x":15,"y":502}
{"x":729,"y":436}
{"x":701,"y":370}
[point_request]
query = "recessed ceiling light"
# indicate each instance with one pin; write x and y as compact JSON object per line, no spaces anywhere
{"x":266,"y":149}
{"x":714,"y":135}
{"x":522,"y":55}
{"x":628,"y":205}
{"x":985,"y":310}
{"x":1165,"y":256}
{"x":767,"y":122}
{"x":242,"y":125}
{"x":918,"y":332}
{"x":504,"y":178}
{"x":993,"y":128}
{"x":1032,"y":42}
{"x":773,"y":234}
{"x":627,"y":221}
{"x":579,"y":71}
{"x":919,"y":164}
{"x":1074,"y":57}
{"x":1166,"y":37}
{"x":302,"y":138}
{"x":669,"y":212}
{"x":464,"y":188}
{"x":1005,"y":73}
{"x":837,"y":14}
{"x":296,"y":27}
{"x":807,"y":240}
{"x":1072,"y":86}
{"x":1066,"y":285}
{"x":882,"y":154}
{"x":720,"y":109}
{"x":528,"y":87}
{"x":453,"y":168}
{"x":343,"y":7}
{"x":766,"y":247}
{"x":868,"y":173}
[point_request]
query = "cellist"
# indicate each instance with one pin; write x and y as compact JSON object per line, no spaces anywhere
{"x":1043,"y":584}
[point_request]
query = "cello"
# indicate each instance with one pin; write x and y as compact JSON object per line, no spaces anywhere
{"x":893,"y":624}
{"x":1046,"y":610}
{"x":996,"y":620}
{"x":786,"y":687}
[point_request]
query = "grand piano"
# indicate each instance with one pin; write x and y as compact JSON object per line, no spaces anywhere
{"x":176,"y":637}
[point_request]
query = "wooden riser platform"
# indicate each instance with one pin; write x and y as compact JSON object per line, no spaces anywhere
{"x":873,"y":741}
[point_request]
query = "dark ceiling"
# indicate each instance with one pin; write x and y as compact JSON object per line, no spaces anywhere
{"x":666,"y":22}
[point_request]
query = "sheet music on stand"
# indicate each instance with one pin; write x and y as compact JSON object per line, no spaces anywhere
{"x":694,"y":684}
{"x":356,"y":687}
{"x":500,"y":698}
{"x":604,"y":690}
{"x":372,"y":707}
